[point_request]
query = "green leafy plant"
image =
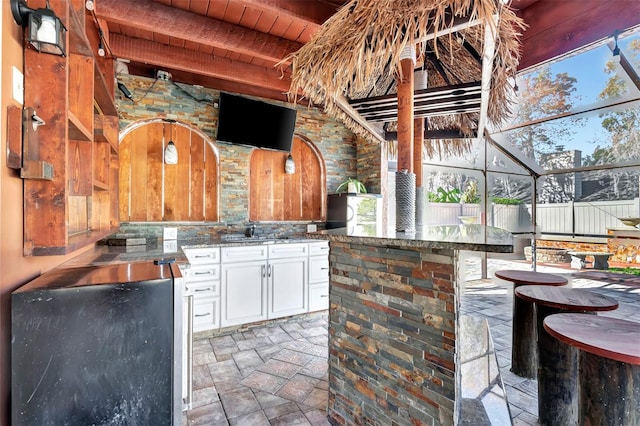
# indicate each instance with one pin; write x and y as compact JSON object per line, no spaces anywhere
{"x":627,"y":270}
{"x":470,"y":194}
{"x":506,"y":201}
{"x":359,"y":186}
{"x":444,"y":196}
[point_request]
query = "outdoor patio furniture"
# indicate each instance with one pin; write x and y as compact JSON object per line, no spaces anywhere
{"x":609,"y":366}
{"x":557,"y":362}
{"x":600,"y":259}
{"x":523,"y":346}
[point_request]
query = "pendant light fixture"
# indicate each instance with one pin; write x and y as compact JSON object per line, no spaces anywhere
{"x":170,"y":151}
{"x":289,"y":165}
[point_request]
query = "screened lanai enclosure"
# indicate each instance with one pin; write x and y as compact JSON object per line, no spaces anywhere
{"x":565,"y":166}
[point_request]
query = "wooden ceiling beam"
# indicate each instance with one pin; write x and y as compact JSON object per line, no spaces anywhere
{"x":150,"y":16}
{"x":178,"y":58}
{"x":559,"y":27}
{"x":149,"y":71}
{"x":288,"y":10}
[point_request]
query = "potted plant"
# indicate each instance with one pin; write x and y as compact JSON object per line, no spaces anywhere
{"x":352,"y":185}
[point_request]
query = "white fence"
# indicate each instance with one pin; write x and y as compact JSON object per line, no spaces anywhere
{"x":581,"y":218}
{"x":584,"y":218}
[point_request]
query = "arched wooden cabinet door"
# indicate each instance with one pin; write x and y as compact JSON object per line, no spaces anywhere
{"x":277,"y":196}
{"x":152,"y":191}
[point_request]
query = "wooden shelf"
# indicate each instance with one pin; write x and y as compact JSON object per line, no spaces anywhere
{"x":74,"y":243}
{"x":77,"y":131}
{"x":100,"y":186}
{"x":78,"y":206}
{"x":105,"y":128}
{"x":103,"y":96}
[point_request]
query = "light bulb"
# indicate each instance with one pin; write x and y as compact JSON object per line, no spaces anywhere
{"x":47,"y":30}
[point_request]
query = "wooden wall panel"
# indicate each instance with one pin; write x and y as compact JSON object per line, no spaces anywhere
{"x":138,"y":172}
{"x":101,"y":160}
{"x":259,"y":185}
{"x":78,"y":215}
{"x":177,"y":180}
{"x":312,"y":183}
{"x":114,"y":205}
{"x":124,"y":178}
{"x":79,"y":172}
{"x":197,"y":193}
{"x":275,"y":195}
{"x":211,"y":184}
{"x":276,"y":165}
{"x":153,"y":191}
{"x":154,"y":176}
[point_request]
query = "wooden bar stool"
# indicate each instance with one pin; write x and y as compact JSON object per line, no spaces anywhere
{"x":558,"y":362}
{"x":609,"y":366}
{"x":523,"y":337}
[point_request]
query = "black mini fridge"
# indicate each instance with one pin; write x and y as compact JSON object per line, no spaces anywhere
{"x":98,"y":345}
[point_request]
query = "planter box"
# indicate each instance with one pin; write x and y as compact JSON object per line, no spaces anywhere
{"x":449,"y":213}
{"x":513,"y":218}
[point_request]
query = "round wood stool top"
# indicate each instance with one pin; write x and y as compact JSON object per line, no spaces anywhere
{"x":611,"y":338}
{"x":569,"y":299}
{"x":530,"y":277}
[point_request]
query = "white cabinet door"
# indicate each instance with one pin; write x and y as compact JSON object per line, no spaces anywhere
{"x":318,"y":297}
{"x":243,"y":293}
{"x":205,"y":313}
{"x":318,"y":269}
{"x":287,"y":287}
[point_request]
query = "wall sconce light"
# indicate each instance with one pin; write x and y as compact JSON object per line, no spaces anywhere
{"x":170,"y":151}
{"x":46,"y":32}
{"x":289,"y":165}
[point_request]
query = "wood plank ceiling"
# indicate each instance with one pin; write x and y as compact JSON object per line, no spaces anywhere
{"x":233,"y":45}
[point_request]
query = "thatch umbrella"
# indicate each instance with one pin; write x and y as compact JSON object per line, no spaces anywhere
{"x":361,"y":44}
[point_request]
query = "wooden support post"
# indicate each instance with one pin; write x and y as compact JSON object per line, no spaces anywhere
{"x":405,"y":115}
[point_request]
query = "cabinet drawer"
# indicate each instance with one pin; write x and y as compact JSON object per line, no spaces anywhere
{"x":202,"y":273}
{"x":244,"y":253}
{"x":206,"y":314}
{"x":318,"y":297}
{"x":197,"y":256}
{"x":277,"y":251}
{"x":204,"y":289}
{"x":318,"y":269}
{"x":319,"y":248}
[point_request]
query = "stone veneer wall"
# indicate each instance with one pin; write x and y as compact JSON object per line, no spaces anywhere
{"x":393,"y":334}
{"x":624,"y":251}
{"x":162,"y":99}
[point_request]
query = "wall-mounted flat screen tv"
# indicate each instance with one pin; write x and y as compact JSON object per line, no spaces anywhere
{"x":246,"y":121}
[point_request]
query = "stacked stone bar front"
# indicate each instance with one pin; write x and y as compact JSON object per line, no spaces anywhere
{"x":392,"y":334}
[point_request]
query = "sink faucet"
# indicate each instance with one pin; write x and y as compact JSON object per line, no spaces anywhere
{"x":251,"y":231}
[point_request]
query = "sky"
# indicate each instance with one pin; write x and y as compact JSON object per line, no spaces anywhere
{"x":588,"y":69}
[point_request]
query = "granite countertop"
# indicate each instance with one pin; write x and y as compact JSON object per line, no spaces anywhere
{"x":455,"y":237}
{"x":157,"y":248}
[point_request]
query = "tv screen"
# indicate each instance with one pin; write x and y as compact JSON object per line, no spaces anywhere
{"x":249,"y":122}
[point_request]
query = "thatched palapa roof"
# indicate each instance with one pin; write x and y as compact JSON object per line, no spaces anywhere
{"x":355,"y":57}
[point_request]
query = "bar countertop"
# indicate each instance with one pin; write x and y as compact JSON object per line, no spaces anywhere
{"x":453,"y":237}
